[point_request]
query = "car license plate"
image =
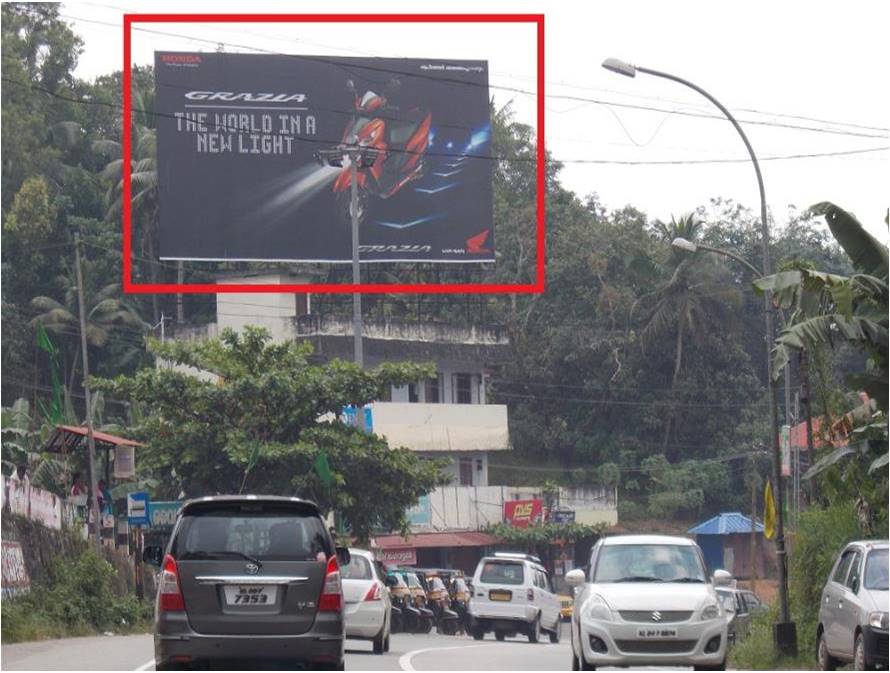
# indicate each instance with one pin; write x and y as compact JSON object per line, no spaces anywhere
{"x":251,"y":594}
{"x":500,"y":595}
{"x":656,"y":632}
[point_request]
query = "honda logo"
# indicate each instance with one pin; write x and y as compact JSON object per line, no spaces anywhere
{"x":252,"y":568}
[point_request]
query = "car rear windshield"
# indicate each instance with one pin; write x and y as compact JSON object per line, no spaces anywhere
{"x":358,"y":568}
{"x":258,"y":530}
{"x":876,"y":570}
{"x":501,"y":572}
{"x":648,"y":563}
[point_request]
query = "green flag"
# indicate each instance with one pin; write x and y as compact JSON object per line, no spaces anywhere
{"x":54,"y":414}
{"x":323,"y":469}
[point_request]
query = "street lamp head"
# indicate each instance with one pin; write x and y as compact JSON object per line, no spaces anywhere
{"x":621,"y":67}
{"x":684,"y":245}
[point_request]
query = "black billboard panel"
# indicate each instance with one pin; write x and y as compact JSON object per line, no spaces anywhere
{"x":239,"y":179}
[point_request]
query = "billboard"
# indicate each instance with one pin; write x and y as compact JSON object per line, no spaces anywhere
{"x":522,"y":513}
{"x":239,"y":179}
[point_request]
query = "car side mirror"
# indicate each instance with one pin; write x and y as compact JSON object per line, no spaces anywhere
{"x":153,"y":555}
{"x":390,"y":581}
{"x":343,"y":556}
{"x":722,"y":578}
{"x":575,"y":578}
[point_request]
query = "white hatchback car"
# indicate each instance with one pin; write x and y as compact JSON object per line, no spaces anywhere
{"x":646,"y":600}
{"x":366,"y":609}
{"x":512,"y":593}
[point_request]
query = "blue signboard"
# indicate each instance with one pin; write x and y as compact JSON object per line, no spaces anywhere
{"x":137,"y":508}
{"x":350,"y":418}
{"x":420,"y":514}
{"x":162,"y":514}
{"x":562,"y":516}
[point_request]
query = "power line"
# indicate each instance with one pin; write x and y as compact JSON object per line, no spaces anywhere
{"x":508,"y":159}
{"x":477,"y":84}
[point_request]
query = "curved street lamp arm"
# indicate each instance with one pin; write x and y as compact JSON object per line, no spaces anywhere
{"x":727,"y":253}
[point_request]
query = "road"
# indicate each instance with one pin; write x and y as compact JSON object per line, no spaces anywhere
{"x":407,"y":653}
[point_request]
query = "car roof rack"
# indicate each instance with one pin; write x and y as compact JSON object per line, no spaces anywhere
{"x":518,"y":555}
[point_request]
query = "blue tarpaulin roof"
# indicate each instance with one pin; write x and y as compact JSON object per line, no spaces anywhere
{"x":726,"y":523}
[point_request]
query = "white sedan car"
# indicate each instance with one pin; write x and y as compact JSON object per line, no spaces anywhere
{"x":366,"y":609}
{"x":646,"y":600}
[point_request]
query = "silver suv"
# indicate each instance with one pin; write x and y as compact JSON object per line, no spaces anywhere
{"x":853,"y":611}
{"x":247,"y":581}
{"x":512,"y":594}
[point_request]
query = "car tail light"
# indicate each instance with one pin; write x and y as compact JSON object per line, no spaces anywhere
{"x":168,"y":587}
{"x":373,"y":593}
{"x":331,"y":599}
{"x":530,"y":594}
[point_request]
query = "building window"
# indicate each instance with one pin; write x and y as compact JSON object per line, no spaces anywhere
{"x":413,"y":395}
{"x":466,"y":471}
{"x":433,"y":390}
{"x":462,"y":392}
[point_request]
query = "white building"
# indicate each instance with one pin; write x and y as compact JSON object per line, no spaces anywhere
{"x":445,"y":417}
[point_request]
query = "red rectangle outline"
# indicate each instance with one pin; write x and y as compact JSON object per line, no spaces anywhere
{"x":332,"y":288}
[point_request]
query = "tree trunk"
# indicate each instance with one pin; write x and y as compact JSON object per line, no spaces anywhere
{"x":678,"y":360}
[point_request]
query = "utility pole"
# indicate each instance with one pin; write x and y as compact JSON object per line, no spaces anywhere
{"x":180,"y":278}
{"x":91,"y":442}
{"x":753,"y":525}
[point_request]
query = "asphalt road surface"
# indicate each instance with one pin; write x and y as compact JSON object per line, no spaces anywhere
{"x":430,"y":652}
{"x":407,"y":653}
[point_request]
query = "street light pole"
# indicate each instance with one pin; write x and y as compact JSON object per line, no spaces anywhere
{"x":785,"y":632}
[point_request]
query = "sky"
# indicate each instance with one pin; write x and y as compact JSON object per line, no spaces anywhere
{"x":777,"y":66}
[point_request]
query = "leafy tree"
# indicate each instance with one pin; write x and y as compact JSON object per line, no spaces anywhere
{"x":264,"y":420}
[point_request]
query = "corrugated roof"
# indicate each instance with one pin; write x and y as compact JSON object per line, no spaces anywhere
{"x":726,"y":523}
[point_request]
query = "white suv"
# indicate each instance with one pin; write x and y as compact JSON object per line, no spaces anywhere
{"x":646,"y":600}
{"x":512,"y":594}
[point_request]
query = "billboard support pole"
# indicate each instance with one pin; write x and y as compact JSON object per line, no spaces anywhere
{"x":354,"y":158}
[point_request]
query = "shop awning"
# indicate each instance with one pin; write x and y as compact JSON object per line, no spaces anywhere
{"x":432,"y":540}
{"x":66,"y":438}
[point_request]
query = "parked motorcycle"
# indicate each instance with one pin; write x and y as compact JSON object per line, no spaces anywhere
{"x":438,"y":600}
{"x":460,"y":602}
{"x":425,"y":618}
{"x":398,"y":141}
{"x":405,"y":617}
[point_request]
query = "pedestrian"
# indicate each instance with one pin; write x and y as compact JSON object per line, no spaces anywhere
{"x":77,"y":487}
{"x":103,"y":495}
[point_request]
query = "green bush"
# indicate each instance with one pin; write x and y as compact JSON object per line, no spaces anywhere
{"x":77,"y":599}
{"x":821,"y":535}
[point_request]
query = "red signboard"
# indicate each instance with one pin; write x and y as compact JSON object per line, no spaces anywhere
{"x":398,"y":557}
{"x":521,"y":513}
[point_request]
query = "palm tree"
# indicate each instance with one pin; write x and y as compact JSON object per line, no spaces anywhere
{"x":694,"y":299}
{"x":143,"y":180}
{"x":107,"y":313}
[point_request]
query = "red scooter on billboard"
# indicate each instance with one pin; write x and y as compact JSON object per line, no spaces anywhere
{"x":401,"y":140}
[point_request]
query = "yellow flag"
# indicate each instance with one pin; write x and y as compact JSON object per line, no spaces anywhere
{"x":769,"y":512}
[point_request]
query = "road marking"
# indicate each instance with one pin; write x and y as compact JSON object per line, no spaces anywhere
{"x":146,"y":666}
{"x":405,"y":659}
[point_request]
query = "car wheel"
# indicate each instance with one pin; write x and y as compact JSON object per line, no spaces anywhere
{"x":555,"y":633}
{"x":576,"y":665}
{"x":824,"y":658}
{"x":534,"y":630}
{"x":585,"y":666}
{"x":380,"y":642}
{"x":499,"y":635}
{"x":859,"y":662}
{"x":717,"y":667}
{"x":386,"y":643}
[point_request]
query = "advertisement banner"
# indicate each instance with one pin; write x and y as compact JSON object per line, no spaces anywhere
{"x":240,"y":176}
{"x":785,"y":444}
{"x":15,"y":574}
{"x":522,"y":513}
{"x":397,"y":557}
{"x":421,"y":513}
{"x":162,"y":514}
